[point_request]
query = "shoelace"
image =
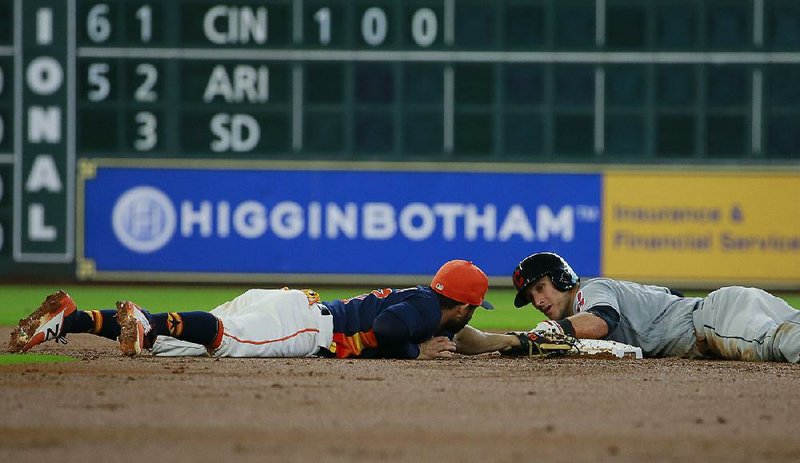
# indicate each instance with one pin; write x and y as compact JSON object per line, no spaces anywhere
{"x":62,"y":339}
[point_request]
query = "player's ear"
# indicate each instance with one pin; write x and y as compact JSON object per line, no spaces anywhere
{"x":464,"y":308}
{"x":456,"y":308}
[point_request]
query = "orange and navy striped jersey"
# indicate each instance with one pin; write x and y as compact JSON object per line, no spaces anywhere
{"x":385,"y":322}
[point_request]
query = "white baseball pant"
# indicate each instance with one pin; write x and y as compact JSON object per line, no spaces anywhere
{"x":262,"y":323}
{"x":741,"y":323}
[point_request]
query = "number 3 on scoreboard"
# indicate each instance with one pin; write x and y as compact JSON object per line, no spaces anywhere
{"x":146,"y":131}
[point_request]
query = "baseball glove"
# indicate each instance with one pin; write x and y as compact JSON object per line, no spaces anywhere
{"x":540,"y":344}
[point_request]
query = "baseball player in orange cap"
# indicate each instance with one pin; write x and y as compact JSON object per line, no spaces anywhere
{"x":421,"y":322}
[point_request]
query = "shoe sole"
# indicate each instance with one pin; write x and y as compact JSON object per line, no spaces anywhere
{"x":22,"y":335}
{"x":131,"y":334}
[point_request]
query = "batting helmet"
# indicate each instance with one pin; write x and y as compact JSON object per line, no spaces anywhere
{"x":538,"y":265}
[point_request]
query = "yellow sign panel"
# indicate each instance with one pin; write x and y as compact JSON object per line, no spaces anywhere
{"x":702,"y":227}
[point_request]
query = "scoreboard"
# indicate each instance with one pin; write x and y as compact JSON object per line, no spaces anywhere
{"x":533,"y":81}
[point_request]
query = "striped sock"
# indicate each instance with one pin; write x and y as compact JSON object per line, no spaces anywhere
{"x":197,"y":327}
{"x":99,"y":322}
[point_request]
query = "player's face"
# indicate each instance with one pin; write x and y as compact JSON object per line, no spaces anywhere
{"x":461,"y":319}
{"x":553,"y":303}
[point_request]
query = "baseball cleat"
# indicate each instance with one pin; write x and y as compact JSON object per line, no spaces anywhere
{"x":135,"y":328}
{"x":44,"y":324}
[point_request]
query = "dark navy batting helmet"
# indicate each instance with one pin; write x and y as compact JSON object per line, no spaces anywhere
{"x":538,"y":265}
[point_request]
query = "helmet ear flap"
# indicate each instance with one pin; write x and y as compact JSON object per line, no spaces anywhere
{"x":563,"y":280}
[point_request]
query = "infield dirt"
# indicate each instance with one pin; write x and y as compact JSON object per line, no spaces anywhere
{"x":483,"y":409}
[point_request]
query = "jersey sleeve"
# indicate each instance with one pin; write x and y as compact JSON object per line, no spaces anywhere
{"x":607,"y":314}
{"x":598,"y":299}
{"x":597,"y":294}
{"x":394,"y":336}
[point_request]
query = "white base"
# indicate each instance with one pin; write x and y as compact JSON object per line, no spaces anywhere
{"x":601,"y":346}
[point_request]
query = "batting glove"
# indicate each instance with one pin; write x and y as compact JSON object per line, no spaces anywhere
{"x":548,"y":328}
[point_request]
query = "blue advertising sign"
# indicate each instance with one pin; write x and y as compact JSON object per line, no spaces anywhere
{"x":333,"y":222}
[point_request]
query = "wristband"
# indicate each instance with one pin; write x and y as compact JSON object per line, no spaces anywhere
{"x":566,"y":325}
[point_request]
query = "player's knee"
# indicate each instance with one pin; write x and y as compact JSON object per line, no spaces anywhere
{"x":786,"y":342}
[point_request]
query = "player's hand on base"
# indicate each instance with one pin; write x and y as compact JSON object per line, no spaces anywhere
{"x":548,"y":328}
{"x":438,"y":347}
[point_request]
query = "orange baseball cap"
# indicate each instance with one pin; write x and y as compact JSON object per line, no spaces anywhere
{"x":462,"y":281}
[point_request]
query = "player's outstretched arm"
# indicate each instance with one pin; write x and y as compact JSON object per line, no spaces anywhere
{"x":472,"y":341}
{"x":588,"y":326}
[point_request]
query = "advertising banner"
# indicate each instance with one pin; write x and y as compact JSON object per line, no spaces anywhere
{"x":334,"y":225}
{"x":715,"y":226}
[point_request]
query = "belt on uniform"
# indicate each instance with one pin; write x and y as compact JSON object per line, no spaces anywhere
{"x":323,"y":309}
{"x":324,"y":352}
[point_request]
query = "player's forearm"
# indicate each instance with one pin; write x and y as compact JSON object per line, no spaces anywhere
{"x":588,"y":326}
{"x":471,"y":341}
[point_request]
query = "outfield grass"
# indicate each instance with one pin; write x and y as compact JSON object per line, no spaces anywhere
{"x":24,"y":359}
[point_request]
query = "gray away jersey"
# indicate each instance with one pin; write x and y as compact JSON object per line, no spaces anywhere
{"x":649,"y":316}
